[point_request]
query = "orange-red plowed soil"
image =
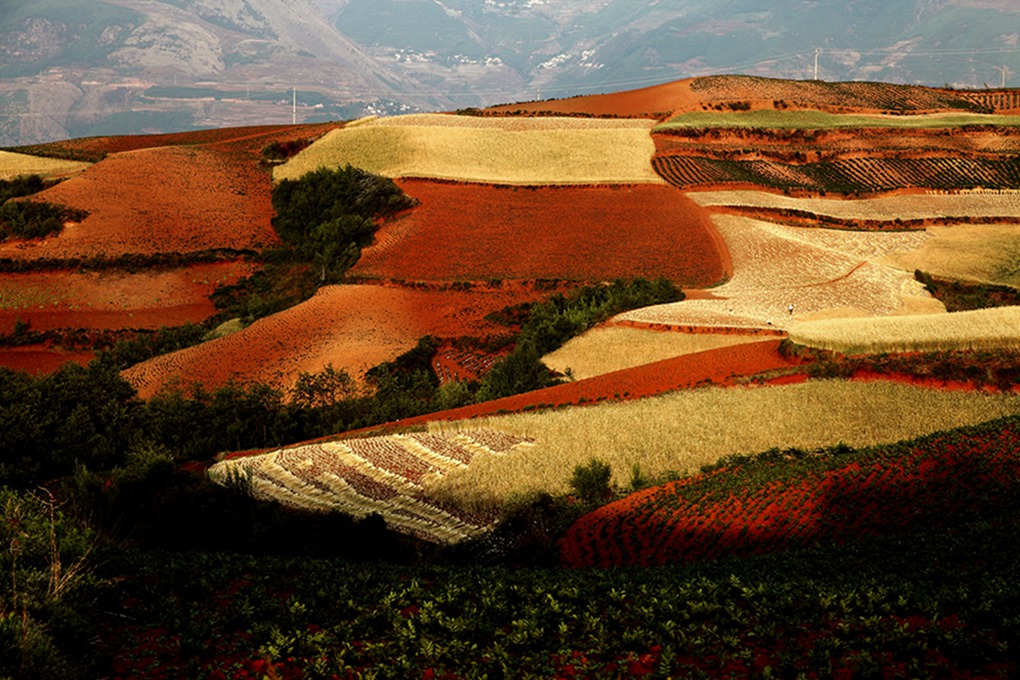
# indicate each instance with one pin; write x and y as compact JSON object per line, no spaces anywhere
{"x":656,"y":101}
{"x":162,"y":200}
{"x":479,"y":232}
{"x":40,"y":359}
{"x":114,"y":300}
{"x":719,"y":366}
{"x":352,"y":327}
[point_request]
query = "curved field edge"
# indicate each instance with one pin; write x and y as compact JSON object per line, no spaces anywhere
{"x":554,"y":151}
{"x":682,"y":431}
{"x":791,"y":498}
{"x":13,"y":164}
{"x":984,"y":329}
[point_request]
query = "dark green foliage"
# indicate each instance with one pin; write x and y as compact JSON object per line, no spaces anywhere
{"x":960,"y":296}
{"x":29,"y":219}
{"x":590,"y":482}
{"x":125,"y":353}
{"x":550,"y":324}
{"x":327,"y":195}
{"x":324,"y":219}
{"x":47,"y":587}
{"x":26,"y":185}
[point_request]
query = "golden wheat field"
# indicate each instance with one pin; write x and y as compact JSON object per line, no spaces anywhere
{"x":983,"y":253}
{"x":970,"y":204}
{"x":494,"y":150}
{"x":821,"y":272}
{"x":983,"y":329}
{"x":17,"y":164}
{"x":605,"y":349}
{"x":682,"y":431}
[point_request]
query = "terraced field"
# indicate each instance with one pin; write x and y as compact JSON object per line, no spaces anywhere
{"x":384,"y":475}
{"x":353,"y":327}
{"x":471,"y":232}
{"x":682,"y":431}
{"x":492,"y":150}
{"x":820,"y":272}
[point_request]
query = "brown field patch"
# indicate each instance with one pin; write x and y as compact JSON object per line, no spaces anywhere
{"x":646,"y":102}
{"x":114,"y":300}
{"x":251,"y":137}
{"x":163,"y":200}
{"x":478,"y":232}
{"x":351,"y":327}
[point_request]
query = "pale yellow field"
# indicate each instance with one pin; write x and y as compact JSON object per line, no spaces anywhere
{"x":997,"y":328}
{"x":16,"y":164}
{"x":496,"y":150}
{"x":905,"y":207}
{"x":685,"y":430}
{"x":821,"y":272}
{"x":612,"y":348}
{"x":984,"y":253}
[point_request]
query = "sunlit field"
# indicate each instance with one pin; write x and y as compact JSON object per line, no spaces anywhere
{"x":682,"y":431}
{"x":495,"y":150}
{"x":16,"y":164}
{"x":984,"y":329}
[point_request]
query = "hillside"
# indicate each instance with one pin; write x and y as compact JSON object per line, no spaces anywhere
{"x":290,"y":400}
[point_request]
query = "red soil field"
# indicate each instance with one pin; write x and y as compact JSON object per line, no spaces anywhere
{"x":164,"y":200}
{"x":735,"y":511}
{"x":721,"y":366}
{"x":352,"y":327}
{"x":656,"y":101}
{"x":40,"y":359}
{"x":96,"y":147}
{"x":114,"y":300}
{"x":479,"y":232}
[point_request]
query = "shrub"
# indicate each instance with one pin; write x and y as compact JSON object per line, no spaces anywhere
{"x":590,"y":482}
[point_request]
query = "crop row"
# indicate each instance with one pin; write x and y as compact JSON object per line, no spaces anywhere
{"x":853,"y":175}
{"x":785,"y":499}
{"x":383,"y":475}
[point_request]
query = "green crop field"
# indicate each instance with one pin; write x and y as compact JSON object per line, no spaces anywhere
{"x":821,"y":120}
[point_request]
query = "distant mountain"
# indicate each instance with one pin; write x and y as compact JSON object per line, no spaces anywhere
{"x":82,"y":67}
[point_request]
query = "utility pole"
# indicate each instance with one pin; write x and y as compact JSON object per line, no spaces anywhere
{"x":817,"y":50}
{"x":294,"y":106}
{"x":1003,"y":76}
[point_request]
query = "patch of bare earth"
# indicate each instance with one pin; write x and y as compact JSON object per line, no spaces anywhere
{"x":353,"y":327}
{"x":478,"y":232}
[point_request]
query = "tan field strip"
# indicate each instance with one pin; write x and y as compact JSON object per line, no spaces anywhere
{"x":17,"y":164}
{"x":983,"y":329}
{"x":975,"y":204}
{"x":984,"y":253}
{"x":821,"y":272}
{"x":493,"y":150}
{"x":612,"y":348}
{"x":685,"y":430}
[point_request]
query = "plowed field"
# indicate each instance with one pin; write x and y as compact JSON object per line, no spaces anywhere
{"x":163,"y":200}
{"x":114,"y":300}
{"x":475,"y":232}
{"x":818,"y":271}
{"x":351,"y":327}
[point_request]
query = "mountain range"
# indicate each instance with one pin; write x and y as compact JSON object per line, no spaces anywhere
{"x":72,"y":68}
